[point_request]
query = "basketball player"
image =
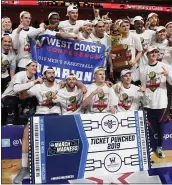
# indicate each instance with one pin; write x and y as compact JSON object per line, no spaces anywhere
{"x":130,"y":95}
{"x":153,"y":78}
{"x":99,"y":97}
{"x":70,"y":97}
{"x":21,"y":82}
{"x":44,"y":92}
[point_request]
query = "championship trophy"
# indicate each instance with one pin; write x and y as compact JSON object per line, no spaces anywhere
{"x":121,"y":52}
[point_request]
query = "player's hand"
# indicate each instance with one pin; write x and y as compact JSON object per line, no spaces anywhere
{"x":113,"y":56}
{"x":133,"y":63}
{"x":38,"y":81}
{"x":53,"y":96}
{"x":83,"y":89}
{"x":62,"y":84}
{"x":98,"y":90}
{"x":42,"y":25}
{"x":78,"y":38}
{"x":165,"y":72}
{"x":117,"y":89}
{"x":147,"y":25}
{"x":20,"y":27}
{"x":112,"y":109}
{"x":141,"y":89}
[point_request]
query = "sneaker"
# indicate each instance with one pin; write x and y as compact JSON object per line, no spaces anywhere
{"x":160,"y":152}
{"x":21,"y":175}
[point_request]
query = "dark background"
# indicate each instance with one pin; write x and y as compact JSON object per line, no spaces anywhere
{"x":40,"y":12}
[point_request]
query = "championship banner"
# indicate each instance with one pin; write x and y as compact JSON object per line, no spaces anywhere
{"x":67,"y":56}
{"x":70,"y":147}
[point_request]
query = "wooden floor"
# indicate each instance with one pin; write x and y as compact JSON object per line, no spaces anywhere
{"x":9,"y":168}
{"x":167,"y":160}
{"x":12,"y":167}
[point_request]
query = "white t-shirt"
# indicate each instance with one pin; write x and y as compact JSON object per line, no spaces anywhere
{"x":41,"y":91}
{"x":71,"y":102}
{"x":105,"y":41}
{"x":134,"y":45}
{"x":20,"y":42}
{"x":147,"y":37}
{"x":154,"y":82}
{"x":165,"y":52}
{"x":129,"y":99}
{"x":20,"y":82}
{"x":101,"y":103}
{"x":11,"y":57}
{"x":70,"y":28}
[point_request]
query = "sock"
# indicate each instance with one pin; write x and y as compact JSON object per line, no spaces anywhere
{"x":25,"y":159}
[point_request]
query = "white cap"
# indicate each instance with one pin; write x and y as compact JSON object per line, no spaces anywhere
{"x":71,"y":75}
{"x":52,"y":13}
{"x":151,"y":48}
{"x":95,"y":22}
{"x":7,"y":34}
{"x":168,"y":23}
{"x":71,"y":8}
{"x":151,"y":14}
{"x":160,"y":28}
{"x":48,"y":69}
{"x":87,"y":22}
{"x":22,"y":13}
{"x":4,"y":18}
{"x":125,"y":71}
{"x":98,"y":69}
{"x":137,"y":18}
{"x":30,"y":61}
{"x":123,"y":21}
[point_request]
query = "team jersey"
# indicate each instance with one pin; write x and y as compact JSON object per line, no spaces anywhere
{"x":154,"y":82}
{"x":101,"y":102}
{"x":71,"y":102}
{"x":129,"y":98}
{"x":41,"y":92}
{"x":19,"y":83}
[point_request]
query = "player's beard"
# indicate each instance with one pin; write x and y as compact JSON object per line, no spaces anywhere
{"x":71,"y":85}
{"x":50,"y":79}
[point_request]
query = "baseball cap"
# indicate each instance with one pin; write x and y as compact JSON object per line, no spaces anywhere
{"x":98,"y":69}
{"x":87,"y":22}
{"x":71,"y":8}
{"x":168,"y":23}
{"x":124,"y":72}
{"x":22,"y":13}
{"x":137,"y":18}
{"x":151,"y":14}
{"x":30,"y":61}
{"x":160,"y":28}
{"x":95,"y":22}
{"x":151,"y":48}
{"x":71,"y":75}
{"x":48,"y":69}
{"x":52,"y":13}
{"x":123,"y":21}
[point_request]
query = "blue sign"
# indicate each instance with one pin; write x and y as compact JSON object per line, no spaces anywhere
{"x":67,"y":56}
{"x":59,"y":149}
{"x":11,"y":141}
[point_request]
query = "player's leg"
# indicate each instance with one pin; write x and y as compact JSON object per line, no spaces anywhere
{"x":25,"y":154}
{"x":161,"y":118}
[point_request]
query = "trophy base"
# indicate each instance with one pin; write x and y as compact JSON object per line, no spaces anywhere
{"x":121,"y":65}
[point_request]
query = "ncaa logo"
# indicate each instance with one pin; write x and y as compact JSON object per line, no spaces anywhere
{"x":5,"y":143}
